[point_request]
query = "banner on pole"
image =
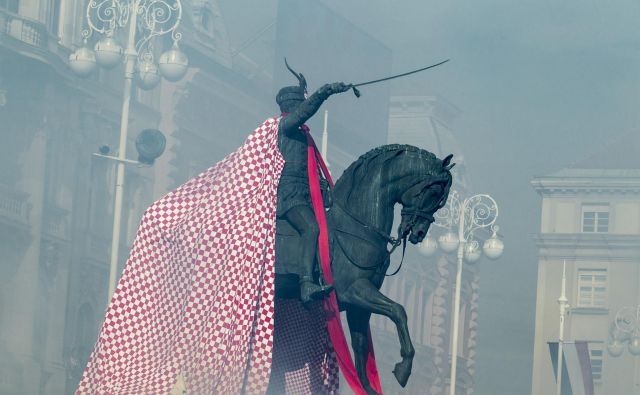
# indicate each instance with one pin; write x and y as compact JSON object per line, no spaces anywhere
{"x":576,"y":367}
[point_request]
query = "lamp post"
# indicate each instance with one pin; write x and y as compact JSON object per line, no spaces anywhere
{"x":563,"y":302}
{"x":146,"y":19}
{"x":473,"y":213}
{"x":625,"y":329}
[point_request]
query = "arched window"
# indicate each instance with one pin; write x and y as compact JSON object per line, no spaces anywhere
{"x":206,"y":20}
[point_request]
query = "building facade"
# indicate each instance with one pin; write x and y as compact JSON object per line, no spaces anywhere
{"x":56,"y":198}
{"x":590,"y":219}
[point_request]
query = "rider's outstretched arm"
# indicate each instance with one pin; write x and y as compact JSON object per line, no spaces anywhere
{"x":307,"y":108}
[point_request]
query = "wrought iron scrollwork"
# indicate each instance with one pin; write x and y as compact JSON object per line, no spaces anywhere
{"x":153,"y":17}
{"x":480,"y":211}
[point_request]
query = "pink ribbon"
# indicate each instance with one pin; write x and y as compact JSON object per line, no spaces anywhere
{"x":330,"y":303}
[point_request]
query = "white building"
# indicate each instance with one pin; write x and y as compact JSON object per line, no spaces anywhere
{"x":591,"y":219}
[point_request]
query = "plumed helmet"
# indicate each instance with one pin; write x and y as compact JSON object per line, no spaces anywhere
{"x":292,"y":92}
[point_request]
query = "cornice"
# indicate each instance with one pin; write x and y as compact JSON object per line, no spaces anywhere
{"x":546,"y":186}
{"x":588,"y":240}
{"x":609,"y":247}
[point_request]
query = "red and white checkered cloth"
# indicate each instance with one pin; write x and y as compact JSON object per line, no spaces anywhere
{"x":304,"y":361}
{"x":196,"y":297}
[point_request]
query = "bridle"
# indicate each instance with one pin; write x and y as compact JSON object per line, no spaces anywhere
{"x":394,"y":242}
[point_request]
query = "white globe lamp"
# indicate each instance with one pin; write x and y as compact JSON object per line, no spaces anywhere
{"x":634,"y":346}
{"x":82,"y":62}
{"x":615,"y":348}
{"x":148,"y":75}
{"x":448,"y":242}
{"x":428,"y":246}
{"x":108,"y":52}
{"x":493,"y":247}
{"x":173,"y":64}
{"x":472,"y":251}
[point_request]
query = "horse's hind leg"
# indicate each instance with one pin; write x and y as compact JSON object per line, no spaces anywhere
{"x":358,"y":320}
{"x":363,"y":294}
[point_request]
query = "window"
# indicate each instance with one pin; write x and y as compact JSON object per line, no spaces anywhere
{"x":595,"y":219}
{"x":56,"y":18}
{"x":206,"y":20}
{"x":10,"y":5}
{"x":592,"y":288}
{"x":596,"y":354}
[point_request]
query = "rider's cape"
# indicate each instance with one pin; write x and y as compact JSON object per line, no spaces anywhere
{"x":195,"y":302}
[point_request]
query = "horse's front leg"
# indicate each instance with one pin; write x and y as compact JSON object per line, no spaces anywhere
{"x":363,"y":294}
{"x":358,"y":320}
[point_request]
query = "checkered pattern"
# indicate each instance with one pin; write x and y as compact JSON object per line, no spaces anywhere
{"x":304,"y":361}
{"x":196,"y":297}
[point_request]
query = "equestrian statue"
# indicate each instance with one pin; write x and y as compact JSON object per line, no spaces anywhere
{"x":360,"y":213}
{"x":265,"y":233}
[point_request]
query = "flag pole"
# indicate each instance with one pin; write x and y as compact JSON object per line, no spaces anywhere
{"x":325,"y":136}
{"x":564,"y":303}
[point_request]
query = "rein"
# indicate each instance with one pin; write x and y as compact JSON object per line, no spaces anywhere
{"x":415,"y":214}
{"x":393,"y":241}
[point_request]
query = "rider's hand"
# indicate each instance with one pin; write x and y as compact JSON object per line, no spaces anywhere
{"x":336,"y":87}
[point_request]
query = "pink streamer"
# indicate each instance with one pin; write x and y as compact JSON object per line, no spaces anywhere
{"x":330,"y":303}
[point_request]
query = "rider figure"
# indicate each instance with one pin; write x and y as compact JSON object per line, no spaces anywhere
{"x":294,"y":199}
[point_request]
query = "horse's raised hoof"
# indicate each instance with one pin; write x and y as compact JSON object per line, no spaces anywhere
{"x":402,"y":371}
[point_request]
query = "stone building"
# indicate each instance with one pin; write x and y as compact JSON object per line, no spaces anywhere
{"x":590,"y":218}
{"x":56,"y":199}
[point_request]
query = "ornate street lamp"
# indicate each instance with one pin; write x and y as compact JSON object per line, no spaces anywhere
{"x":475,"y":212}
{"x":625,"y":329}
{"x":146,"y":19}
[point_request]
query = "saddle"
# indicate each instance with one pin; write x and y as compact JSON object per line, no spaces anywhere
{"x":348,"y":239}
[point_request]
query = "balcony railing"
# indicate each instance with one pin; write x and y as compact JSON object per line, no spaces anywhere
{"x":14,"y":206}
{"x":28,"y":35}
{"x":56,"y":222}
{"x":23,"y":29}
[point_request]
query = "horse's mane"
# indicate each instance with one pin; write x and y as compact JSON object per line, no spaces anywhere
{"x":384,"y":153}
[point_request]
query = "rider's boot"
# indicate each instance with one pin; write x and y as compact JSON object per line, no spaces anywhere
{"x":310,"y":291}
{"x":303,"y":220}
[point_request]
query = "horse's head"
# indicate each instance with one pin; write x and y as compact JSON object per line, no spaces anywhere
{"x":421,"y":201}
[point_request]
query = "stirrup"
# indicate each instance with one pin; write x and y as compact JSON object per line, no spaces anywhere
{"x":310,"y":291}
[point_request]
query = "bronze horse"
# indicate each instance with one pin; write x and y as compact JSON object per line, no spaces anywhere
{"x":359,"y":224}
